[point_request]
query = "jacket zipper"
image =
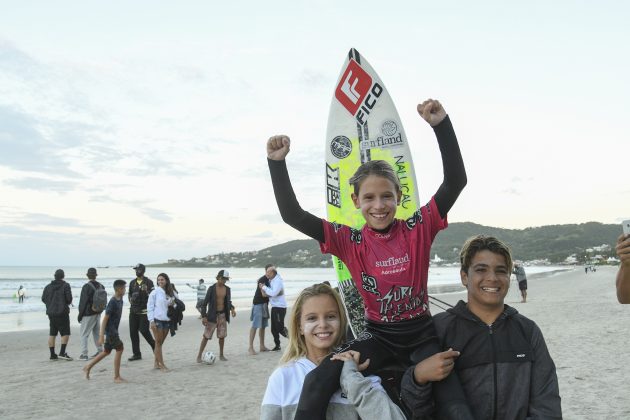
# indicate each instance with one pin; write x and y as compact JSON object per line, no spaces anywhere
{"x":494,"y":368}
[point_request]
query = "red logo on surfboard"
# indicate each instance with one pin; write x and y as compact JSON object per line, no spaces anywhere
{"x":353,"y":87}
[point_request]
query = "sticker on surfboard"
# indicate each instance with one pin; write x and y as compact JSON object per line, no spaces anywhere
{"x":363,"y":125}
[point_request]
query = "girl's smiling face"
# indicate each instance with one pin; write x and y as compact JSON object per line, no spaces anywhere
{"x":320,"y":325}
{"x":161,"y":281}
{"x":378,"y":199}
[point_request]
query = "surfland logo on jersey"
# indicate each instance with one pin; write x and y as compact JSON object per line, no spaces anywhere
{"x":357,"y":93}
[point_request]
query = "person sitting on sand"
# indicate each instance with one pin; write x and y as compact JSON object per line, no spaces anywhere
{"x":316,"y":326}
{"x":159,"y":301}
{"x":504,"y":366}
{"x":623,"y":275}
{"x":108,"y":336}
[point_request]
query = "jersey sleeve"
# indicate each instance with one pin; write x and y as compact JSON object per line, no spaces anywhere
{"x":427,"y":220}
{"x":337,"y":239}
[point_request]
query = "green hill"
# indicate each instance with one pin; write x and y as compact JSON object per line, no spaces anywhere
{"x":553,"y":243}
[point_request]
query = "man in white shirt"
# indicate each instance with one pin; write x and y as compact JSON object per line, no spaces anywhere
{"x":275,"y":292}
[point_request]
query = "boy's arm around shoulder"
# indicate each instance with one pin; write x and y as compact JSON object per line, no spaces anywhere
{"x":544,"y":402}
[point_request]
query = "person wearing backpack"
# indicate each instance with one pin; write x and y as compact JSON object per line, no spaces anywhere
{"x":92,"y":302}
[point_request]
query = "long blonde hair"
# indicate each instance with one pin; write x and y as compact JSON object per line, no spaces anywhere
{"x":297,"y":345}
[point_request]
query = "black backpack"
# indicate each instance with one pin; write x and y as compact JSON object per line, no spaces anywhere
{"x":99,"y":298}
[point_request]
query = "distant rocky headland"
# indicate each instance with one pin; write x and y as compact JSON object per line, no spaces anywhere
{"x":586,"y":243}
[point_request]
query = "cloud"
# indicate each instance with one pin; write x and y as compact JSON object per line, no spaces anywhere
{"x":41,"y":184}
{"x":24,"y":147}
{"x":263,"y":235}
{"x":273,"y":218}
{"x":140,"y":205}
{"x":512,"y":191}
{"x":315,"y":79}
{"x":157,"y":214}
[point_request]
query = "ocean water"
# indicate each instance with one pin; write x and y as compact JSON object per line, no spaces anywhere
{"x":242,"y":283}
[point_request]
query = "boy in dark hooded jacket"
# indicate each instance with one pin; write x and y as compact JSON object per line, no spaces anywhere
{"x":503,"y":365}
{"x":57,"y":296}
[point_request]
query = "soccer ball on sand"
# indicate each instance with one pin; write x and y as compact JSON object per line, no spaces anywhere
{"x":208,"y":358}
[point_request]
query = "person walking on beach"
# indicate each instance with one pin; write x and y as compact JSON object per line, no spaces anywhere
{"x":201,"y":294}
{"x":108,"y":335}
{"x":521,"y":277}
{"x":138,"y":295}
{"x":90,"y":315}
{"x":275,"y":292}
{"x":505,"y":367}
{"x":160,"y":299}
{"x":259,"y":315}
{"x":215,"y":313}
{"x":57,"y":296}
{"x":623,"y":275}
{"x":21,"y":294}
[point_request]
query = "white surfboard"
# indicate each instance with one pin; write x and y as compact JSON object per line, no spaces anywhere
{"x":363,"y":125}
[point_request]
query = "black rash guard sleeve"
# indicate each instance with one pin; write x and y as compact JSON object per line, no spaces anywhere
{"x":290,"y":209}
{"x":454,"y":172}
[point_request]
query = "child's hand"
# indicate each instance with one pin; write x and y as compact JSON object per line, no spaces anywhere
{"x":278,"y":147}
{"x":352,"y":355}
{"x":432,"y":111}
{"x":436,"y":367}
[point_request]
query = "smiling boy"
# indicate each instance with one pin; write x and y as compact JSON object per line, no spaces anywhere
{"x":504,"y":366}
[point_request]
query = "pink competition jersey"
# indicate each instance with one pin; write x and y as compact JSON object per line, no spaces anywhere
{"x":389,"y":269}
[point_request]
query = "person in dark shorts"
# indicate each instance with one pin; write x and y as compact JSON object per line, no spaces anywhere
{"x":139,"y":290}
{"x":108,"y":336}
{"x":57,"y":296}
{"x":521,"y":277}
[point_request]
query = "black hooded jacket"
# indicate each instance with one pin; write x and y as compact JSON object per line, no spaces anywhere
{"x":504,"y":368}
{"x":86,"y":299}
{"x":57,"y":296}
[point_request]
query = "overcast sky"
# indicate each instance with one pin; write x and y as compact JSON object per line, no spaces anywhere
{"x":135,"y":131}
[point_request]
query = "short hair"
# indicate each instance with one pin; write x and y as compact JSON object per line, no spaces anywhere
{"x":480,"y":243}
{"x":374,"y":167}
{"x":59,"y":274}
{"x":297,"y":345}
{"x":119,"y":283}
{"x":267,"y":266}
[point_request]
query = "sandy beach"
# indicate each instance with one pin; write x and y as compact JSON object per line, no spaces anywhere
{"x":586,"y":331}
